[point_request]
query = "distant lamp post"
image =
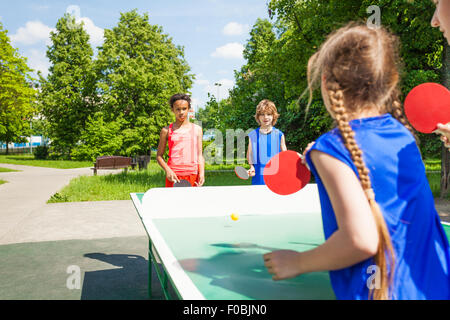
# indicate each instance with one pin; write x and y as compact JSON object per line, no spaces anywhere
{"x":31,"y":136}
{"x":218,"y":85}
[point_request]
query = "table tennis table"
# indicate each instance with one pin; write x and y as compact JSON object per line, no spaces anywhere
{"x":201,"y":253}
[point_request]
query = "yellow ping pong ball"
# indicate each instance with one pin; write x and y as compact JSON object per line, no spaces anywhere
{"x":234,"y":216}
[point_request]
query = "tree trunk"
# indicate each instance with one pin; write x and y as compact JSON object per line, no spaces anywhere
{"x":445,"y":172}
{"x":445,"y":154}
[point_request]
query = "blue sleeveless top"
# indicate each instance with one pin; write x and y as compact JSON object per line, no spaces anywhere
{"x":264,"y":147}
{"x":402,"y":191}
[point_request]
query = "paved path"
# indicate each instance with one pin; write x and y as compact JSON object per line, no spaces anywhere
{"x":26,"y":217}
{"x":39,"y":241}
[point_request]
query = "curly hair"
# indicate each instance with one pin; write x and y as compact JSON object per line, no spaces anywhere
{"x":267,"y":106}
{"x":179,"y":96}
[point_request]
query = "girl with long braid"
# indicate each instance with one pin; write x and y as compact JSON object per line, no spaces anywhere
{"x":384,"y":239}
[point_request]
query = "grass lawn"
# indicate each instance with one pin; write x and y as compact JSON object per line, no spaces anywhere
{"x":432,"y":164}
{"x":119,"y":186}
{"x":28,"y":160}
{"x":8,"y":170}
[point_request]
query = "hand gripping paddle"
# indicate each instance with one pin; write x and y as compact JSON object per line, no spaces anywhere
{"x":182,"y":183}
{"x":241,"y":172}
{"x":426,"y":105}
{"x":285,"y":174}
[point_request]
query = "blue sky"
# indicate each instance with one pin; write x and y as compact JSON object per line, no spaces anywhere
{"x":213,"y":32}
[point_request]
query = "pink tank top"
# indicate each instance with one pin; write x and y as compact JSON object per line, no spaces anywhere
{"x":183,"y":150}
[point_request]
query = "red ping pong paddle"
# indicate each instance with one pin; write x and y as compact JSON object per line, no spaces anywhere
{"x":285,"y":174}
{"x":426,"y":105}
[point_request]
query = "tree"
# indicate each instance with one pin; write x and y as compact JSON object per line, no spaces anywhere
{"x":302,"y":26}
{"x":98,"y":138}
{"x":67,"y":97}
{"x":139,"y":68}
{"x":258,"y":79}
{"x":212,"y":114}
{"x":16,"y":93}
{"x":265,"y":76}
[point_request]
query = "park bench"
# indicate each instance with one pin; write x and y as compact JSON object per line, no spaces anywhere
{"x":111,"y":162}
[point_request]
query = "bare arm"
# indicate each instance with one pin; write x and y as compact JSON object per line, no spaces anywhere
{"x":283,"y":143}
{"x":251,"y":171}
{"x":356,"y":238}
{"x":201,"y":159}
{"x":171,"y":176}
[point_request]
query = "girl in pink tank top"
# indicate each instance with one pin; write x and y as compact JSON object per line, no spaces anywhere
{"x":184,"y":139}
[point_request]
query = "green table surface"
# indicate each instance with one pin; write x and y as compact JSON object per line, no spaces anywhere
{"x":223,"y":258}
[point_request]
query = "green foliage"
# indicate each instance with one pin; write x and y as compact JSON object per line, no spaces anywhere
{"x":40,"y":152}
{"x":257,"y":80}
{"x":212,"y":115}
{"x":302,"y":126}
{"x":99,"y":138}
{"x":67,"y":99}
{"x":16,"y":93}
{"x":139,"y":68}
{"x":430,"y":145}
{"x":38,"y":127}
{"x":277,"y":55}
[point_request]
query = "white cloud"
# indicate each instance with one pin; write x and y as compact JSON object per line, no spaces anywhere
{"x":202,"y":82}
{"x":229,"y":51}
{"x":33,"y":32}
{"x":38,"y":61}
{"x":235,"y":29}
{"x":95,"y":33}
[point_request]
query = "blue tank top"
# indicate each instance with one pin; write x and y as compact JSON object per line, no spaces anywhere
{"x":264,"y":147}
{"x":402,"y":191}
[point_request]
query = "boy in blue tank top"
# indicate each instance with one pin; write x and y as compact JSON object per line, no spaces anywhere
{"x":384,"y":239}
{"x":265,"y":141}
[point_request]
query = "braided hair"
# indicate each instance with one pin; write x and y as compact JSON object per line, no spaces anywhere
{"x":359,"y":66}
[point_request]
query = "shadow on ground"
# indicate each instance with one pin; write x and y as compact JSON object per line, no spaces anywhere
{"x":127,"y":280}
{"x":108,"y":269}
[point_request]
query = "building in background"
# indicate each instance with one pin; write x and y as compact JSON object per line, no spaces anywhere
{"x":25,"y":147}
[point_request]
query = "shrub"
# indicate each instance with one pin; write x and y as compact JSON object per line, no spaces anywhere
{"x":41,"y":152}
{"x":99,"y":138}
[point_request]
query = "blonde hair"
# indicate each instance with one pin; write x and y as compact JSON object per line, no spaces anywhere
{"x":267,"y":106}
{"x":360,"y":68}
